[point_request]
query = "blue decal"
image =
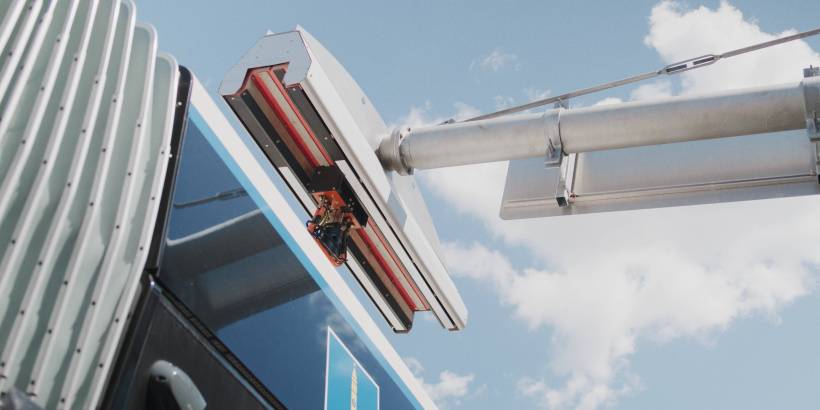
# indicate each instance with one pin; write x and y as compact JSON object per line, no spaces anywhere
{"x":348,"y":386}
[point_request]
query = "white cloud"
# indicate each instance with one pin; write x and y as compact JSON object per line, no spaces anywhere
{"x":414,"y":365}
{"x":599,"y":395}
{"x":465,"y":111}
{"x":418,"y":117}
{"x":608,"y":101}
{"x":601,"y":298}
{"x":503,"y":102}
{"x":494,"y":62}
{"x":605,"y":282}
{"x":679,"y":34}
{"x":421,"y":117}
{"x":652,"y":91}
{"x":449,"y":388}
{"x":535,"y":94}
{"x":468,"y":183}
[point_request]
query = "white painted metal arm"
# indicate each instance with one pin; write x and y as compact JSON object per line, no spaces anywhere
{"x":773,"y":108}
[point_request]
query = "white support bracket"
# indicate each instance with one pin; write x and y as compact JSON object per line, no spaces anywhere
{"x":554,"y":156}
{"x":555,"y":152}
{"x":566,"y":175}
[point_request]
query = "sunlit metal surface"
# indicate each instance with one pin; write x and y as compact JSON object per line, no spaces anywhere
{"x":87,"y":108}
{"x":309,"y":119}
{"x":690,"y":173}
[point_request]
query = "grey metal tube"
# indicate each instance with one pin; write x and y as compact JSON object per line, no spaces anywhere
{"x":689,"y":118}
{"x":748,"y":111}
{"x":498,"y":139}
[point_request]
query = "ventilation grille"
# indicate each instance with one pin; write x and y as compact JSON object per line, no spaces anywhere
{"x":85,"y":123}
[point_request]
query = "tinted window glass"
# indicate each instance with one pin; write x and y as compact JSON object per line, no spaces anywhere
{"x":226,"y":261}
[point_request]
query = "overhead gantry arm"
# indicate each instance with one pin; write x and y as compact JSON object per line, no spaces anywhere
{"x":557,"y":132}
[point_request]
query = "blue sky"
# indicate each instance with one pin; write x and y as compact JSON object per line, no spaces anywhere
{"x":698,"y":307}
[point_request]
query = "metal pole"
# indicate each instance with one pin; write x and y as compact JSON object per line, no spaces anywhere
{"x":726,"y":114}
{"x":755,"y":110}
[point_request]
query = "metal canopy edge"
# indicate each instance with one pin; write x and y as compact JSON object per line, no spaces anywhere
{"x":270,"y":50}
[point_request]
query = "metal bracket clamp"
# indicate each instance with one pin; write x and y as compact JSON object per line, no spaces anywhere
{"x":390,"y":154}
{"x":566,"y":176}
{"x":555,"y":154}
{"x":813,"y":126}
{"x":811,"y":96}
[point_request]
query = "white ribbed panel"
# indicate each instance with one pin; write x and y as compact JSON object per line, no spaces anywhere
{"x":87,"y":109}
{"x":16,"y":48}
{"x":11,"y":10}
{"x":166,"y":76}
{"x":30,"y":104}
{"x":48,"y":176}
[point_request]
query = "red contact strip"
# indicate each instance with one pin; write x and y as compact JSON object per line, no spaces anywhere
{"x":393,"y":256}
{"x":299,"y":116}
{"x":266,"y":94}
